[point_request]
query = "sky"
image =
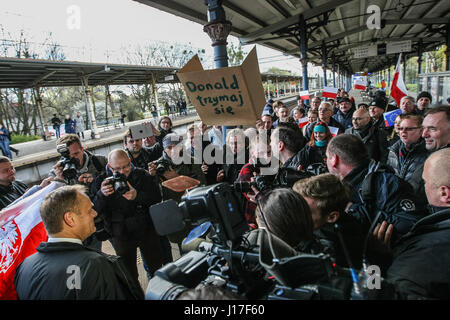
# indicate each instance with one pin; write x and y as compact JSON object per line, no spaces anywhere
{"x":96,"y":30}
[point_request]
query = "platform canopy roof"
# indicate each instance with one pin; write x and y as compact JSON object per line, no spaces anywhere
{"x":28,"y":73}
{"x":339,"y":24}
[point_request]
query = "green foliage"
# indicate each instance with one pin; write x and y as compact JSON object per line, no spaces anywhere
{"x":235,"y":55}
{"x":18,"y":138}
{"x":275,"y":70}
{"x":412,"y":87}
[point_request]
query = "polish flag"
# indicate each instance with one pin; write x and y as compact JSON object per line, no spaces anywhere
{"x":329,"y":92}
{"x":334,"y":131}
{"x":302,"y":122}
{"x":360,"y":84}
{"x":21,"y":231}
{"x":398,"y":88}
{"x":304,"y":95}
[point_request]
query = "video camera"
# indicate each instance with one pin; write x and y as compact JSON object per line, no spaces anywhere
{"x":285,"y":178}
{"x":68,"y":164}
{"x":254,"y":265}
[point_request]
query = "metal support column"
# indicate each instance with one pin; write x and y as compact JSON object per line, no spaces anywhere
{"x":303,"y":53}
{"x":44,"y":126}
{"x":324,"y":63}
{"x":218,"y":28}
{"x":155,"y":94}
{"x":447,"y":53}
{"x":333,"y":68}
{"x":404,"y":68}
{"x":91,"y":115}
{"x":419,"y":57}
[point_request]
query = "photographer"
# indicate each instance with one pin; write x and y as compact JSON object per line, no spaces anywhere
{"x":123,"y":201}
{"x":141,"y":156}
{"x":78,"y":166}
{"x":166,"y":169}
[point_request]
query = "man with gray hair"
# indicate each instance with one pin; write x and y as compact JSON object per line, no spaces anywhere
{"x":407,"y":104}
{"x":64,"y":269}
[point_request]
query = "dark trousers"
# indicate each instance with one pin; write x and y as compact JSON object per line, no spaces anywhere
{"x":150,"y":250}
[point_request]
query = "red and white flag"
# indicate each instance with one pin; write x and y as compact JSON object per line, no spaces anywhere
{"x":302,"y":122}
{"x":304,"y":95}
{"x":329,"y":92}
{"x":21,"y":231}
{"x":398,"y":88}
{"x":360,"y":84}
{"x":334,"y":131}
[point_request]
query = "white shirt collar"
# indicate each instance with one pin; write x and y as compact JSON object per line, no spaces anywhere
{"x":73,"y":240}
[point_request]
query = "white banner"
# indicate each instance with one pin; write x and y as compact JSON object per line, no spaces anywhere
{"x":398,"y":46}
{"x":364,"y":52}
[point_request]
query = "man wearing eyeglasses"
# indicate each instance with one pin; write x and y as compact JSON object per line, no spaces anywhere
{"x":325,"y":115}
{"x":375,"y":140}
{"x":407,"y":156}
{"x":126,"y":213}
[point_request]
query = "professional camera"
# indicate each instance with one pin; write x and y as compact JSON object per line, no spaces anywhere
{"x":162,"y":165}
{"x":119,"y":182}
{"x":68,"y":164}
{"x":253,"y":265}
{"x":285,"y":178}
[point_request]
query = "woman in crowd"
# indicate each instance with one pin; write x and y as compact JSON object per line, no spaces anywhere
{"x":315,"y":149}
{"x":165,"y":127}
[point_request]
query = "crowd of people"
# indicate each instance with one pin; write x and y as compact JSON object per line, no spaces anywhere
{"x":386,"y":188}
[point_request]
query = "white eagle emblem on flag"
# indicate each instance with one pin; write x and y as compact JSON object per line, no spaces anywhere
{"x":9,"y":236}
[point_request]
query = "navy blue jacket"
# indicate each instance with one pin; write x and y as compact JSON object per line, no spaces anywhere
{"x":345,"y":119}
{"x":382,"y":191}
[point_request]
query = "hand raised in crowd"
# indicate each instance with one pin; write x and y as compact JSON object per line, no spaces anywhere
{"x":220,"y":175}
{"x":259,"y":124}
{"x":85,"y":178}
{"x":130,"y":194}
{"x":170,"y":174}
{"x":46,"y":182}
{"x":204,"y":168}
{"x":152,"y":168}
{"x":383,"y":233}
{"x":107,"y":188}
{"x":58,"y":170}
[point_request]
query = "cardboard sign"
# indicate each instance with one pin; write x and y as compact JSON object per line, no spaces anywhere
{"x":225,"y":96}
